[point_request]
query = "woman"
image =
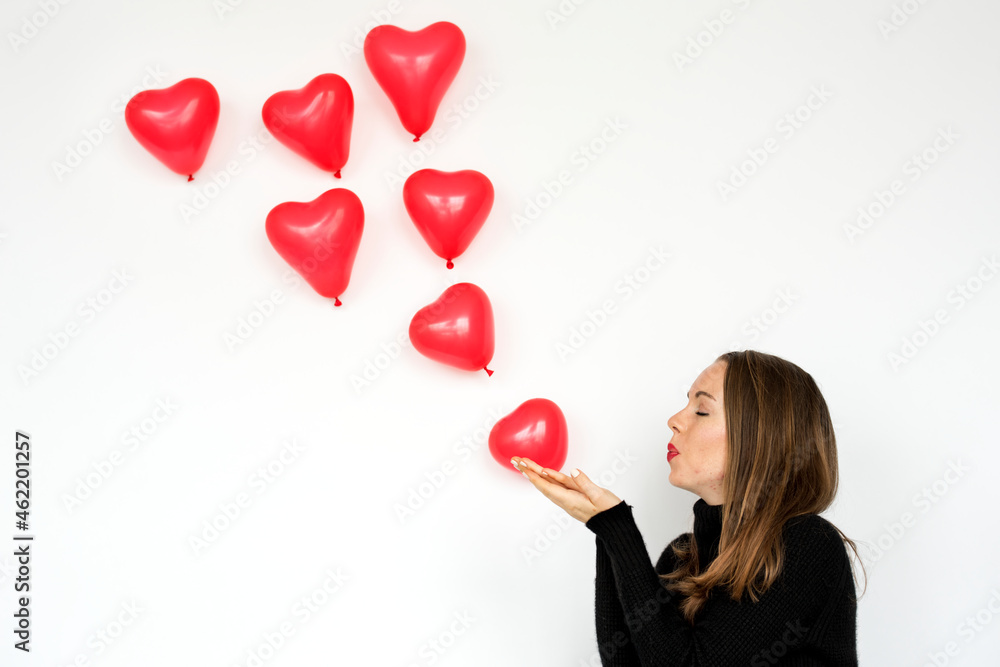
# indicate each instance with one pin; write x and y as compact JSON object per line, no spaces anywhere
{"x":765,"y":579}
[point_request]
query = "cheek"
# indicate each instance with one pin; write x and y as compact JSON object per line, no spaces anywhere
{"x":715,"y":435}
{"x":707,"y":459}
{"x":715,"y":454}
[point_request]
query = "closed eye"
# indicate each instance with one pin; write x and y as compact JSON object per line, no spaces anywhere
{"x":703,"y":414}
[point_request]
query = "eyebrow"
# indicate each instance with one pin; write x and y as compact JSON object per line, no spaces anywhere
{"x":699,"y":393}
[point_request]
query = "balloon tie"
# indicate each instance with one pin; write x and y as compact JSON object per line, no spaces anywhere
{"x":336,"y":301}
{"x":416,"y":138}
{"x":337,"y":173}
{"x":450,"y":265}
{"x":190,"y":177}
{"x":488,"y":371}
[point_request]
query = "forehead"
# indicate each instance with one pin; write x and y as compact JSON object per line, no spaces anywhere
{"x":710,"y":379}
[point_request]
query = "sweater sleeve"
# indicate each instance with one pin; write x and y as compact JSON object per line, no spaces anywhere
{"x":727,"y":632}
{"x":613,"y":642}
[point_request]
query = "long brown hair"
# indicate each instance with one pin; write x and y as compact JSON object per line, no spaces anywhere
{"x":781,"y":462}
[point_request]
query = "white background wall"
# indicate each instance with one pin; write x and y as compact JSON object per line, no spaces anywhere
{"x":851,"y":304}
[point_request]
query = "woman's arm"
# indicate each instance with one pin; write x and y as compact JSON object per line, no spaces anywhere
{"x":726,"y":632}
{"x":613,"y":642}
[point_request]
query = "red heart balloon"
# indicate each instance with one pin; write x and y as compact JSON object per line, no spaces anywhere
{"x":415,"y":68}
{"x":535,"y":430}
{"x":176,"y":124}
{"x":457,"y":329}
{"x":448,"y":208}
{"x":320,"y":238}
{"x":314,"y":121}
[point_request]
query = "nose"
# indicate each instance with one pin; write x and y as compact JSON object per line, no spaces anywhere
{"x":673,"y":424}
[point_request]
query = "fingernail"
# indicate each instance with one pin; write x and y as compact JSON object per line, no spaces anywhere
{"x":525,"y":475}
{"x":575,"y":472}
{"x":514,"y":463}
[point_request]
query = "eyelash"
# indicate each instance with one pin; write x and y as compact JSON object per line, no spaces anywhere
{"x":703,"y":414}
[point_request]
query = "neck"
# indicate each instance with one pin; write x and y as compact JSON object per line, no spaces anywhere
{"x":707,"y":530}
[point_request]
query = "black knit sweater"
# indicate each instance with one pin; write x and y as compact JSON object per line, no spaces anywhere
{"x":807,"y":617}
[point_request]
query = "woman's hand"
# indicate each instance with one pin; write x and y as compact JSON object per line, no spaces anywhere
{"x":579,"y":496}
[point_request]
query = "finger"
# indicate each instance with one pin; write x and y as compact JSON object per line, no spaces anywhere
{"x":549,"y":488}
{"x":549,"y":473}
{"x":524,"y":468}
{"x":557,"y":476}
{"x":532,"y":473}
{"x":586,"y":486}
{"x":535,"y":476}
{"x":525,"y":464}
{"x":560,"y":489}
{"x":571,"y":500}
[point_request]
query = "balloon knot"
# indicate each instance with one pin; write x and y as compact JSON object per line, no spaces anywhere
{"x":416,"y":138}
{"x":450,"y":265}
{"x":336,"y":301}
{"x":488,"y":371}
{"x":190,"y":177}
{"x":337,"y":173}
